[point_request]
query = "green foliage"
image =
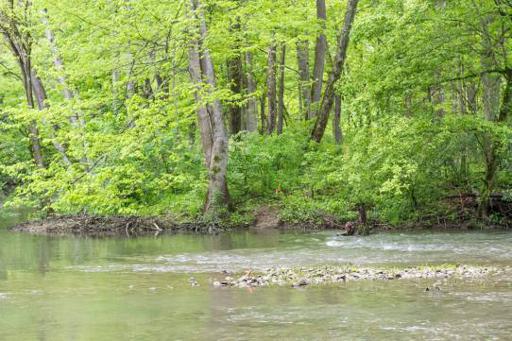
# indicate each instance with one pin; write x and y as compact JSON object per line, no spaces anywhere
{"x":415,"y":109}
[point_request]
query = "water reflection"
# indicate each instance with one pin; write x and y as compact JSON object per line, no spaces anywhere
{"x":92,"y":288}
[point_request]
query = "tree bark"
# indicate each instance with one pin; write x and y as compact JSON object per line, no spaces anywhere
{"x":263,"y":117}
{"x":304,"y":78}
{"x":320,"y":53}
{"x":218,"y":195}
{"x":280,"y":102}
{"x":235,"y":74}
{"x":59,"y":66}
{"x":335,"y":74}
{"x":271,"y":88}
{"x":205,"y":126}
{"x":235,"y":77}
{"x":251,"y":111}
{"x":491,"y":81}
{"x":336,"y":123}
{"x":23,"y":59}
{"x":491,"y":105}
{"x":40,"y":95}
{"x":506,"y":104}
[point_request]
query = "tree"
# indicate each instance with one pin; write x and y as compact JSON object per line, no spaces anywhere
{"x":335,"y":74}
{"x":280,"y":92}
{"x":320,"y":54}
{"x":216,"y":151}
{"x":272,"y":87}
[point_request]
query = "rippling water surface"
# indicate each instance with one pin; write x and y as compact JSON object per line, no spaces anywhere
{"x":76,"y":288}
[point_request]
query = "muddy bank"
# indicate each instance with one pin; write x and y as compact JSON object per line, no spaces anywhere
{"x":264,"y":218}
{"x":331,"y":275}
{"x":129,"y":226}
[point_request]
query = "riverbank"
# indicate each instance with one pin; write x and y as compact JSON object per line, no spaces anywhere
{"x":91,"y":225}
{"x":264,"y":218}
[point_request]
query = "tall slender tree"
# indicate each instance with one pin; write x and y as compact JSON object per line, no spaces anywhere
{"x":335,"y":74}
{"x":272,"y":87}
{"x":280,"y":94}
{"x":320,"y":54}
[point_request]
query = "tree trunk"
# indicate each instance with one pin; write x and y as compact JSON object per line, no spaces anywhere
{"x":437,"y":98}
{"x":506,"y":104}
{"x":235,"y":77}
{"x":263,"y":117}
{"x":235,"y":74}
{"x":491,"y":104}
{"x":40,"y":94}
{"x":336,"y":122}
{"x":271,"y":88}
{"x":363,"y":218}
{"x":335,"y":74}
{"x":205,"y":126}
{"x":320,"y":52}
{"x":304,"y":78}
{"x":59,"y":66}
{"x":218,"y":195}
{"x":251,"y":111}
{"x":147,"y":89}
{"x":491,"y":96}
{"x":24,"y":62}
{"x":75,"y":118}
{"x":280,"y":103}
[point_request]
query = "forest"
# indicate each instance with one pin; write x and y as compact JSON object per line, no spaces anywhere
{"x":387,"y":111}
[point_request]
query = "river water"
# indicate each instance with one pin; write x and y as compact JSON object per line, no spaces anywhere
{"x":78,"y":288}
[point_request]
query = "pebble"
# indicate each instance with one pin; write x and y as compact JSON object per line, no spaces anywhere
{"x":302,"y":277}
{"x":193,"y":282}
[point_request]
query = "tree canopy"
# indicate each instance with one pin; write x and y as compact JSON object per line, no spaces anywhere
{"x":211,"y":108}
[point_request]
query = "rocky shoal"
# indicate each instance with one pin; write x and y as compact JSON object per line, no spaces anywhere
{"x":325,"y":275}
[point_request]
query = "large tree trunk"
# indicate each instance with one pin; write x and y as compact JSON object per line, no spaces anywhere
{"x":320,"y":53}
{"x":205,"y":126}
{"x":271,"y":88}
{"x":304,"y":78}
{"x":280,"y":95}
{"x":335,"y":74}
{"x":218,"y":195}
{"x":251,"y":112}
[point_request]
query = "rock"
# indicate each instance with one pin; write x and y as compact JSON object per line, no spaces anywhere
{"x":341,"y":278}
{"x":301,"y":283}
{"x":193,"y":282}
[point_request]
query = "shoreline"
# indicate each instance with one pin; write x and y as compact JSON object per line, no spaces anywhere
{"x":134,"y":226}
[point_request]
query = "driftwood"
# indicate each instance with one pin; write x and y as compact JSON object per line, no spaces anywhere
{"x":128,"y":226}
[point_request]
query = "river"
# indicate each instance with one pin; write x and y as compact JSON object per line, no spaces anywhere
{"x":79,"y":288}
